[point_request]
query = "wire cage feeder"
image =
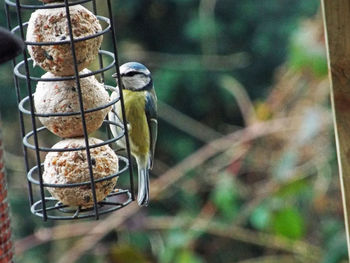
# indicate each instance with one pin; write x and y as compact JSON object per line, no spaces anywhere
{"x":41,"y":202}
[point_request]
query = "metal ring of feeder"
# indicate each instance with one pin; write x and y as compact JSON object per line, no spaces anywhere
{"x":65,"y":42}
{"x":42,"y":6}
{"x":64,"y":78}
{"x":79,"y":213}
{"x":35,"y":181}
{"x":45,"y":149}
{"x":22,"y":108}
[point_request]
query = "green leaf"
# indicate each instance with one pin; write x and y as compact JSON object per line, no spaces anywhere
{"x":198,"y":28}
{"x":260,"y":217}
{"x":306,"y":54}
{"x":177,"y":239}
{"x":331,"y":227}
{"x":190,"y":202}
{"x":294,"y":188}
{"x":187,"y":256}
{"x":336,"y":250}
{"x":165,"y":78}
{"x":182,"y":147}
{"x":126,"y":254}
{"x":288,"y":223}
{"x":224,"y":196}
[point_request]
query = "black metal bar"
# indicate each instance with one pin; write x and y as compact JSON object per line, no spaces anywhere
{"x":78,"y":39}
{"x":86,"y":136}
{"x":100,"y":60}
{"x":84,"y":213}
{"x":108,"y":130}
{"x":63,"y":78}
{"x":76,"y":214}
{"x":50,"y":208}
{"x":45,"y":149}
{"x":21,"y":121}
{"x":118,"y":192}
{"x":67,"y":185}
{"x":42,"y":6}
{"x":110,"y":203}
{"x":62,"y":114}
{"x":36,"y":141}
{"x":121,"y":98}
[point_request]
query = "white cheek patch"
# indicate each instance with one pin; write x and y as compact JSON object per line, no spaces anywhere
{"x":135,"y":82}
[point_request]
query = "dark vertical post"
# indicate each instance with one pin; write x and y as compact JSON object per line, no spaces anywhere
{"x":100,"y":60}
{"x":6,"y":249}
{"x":336,"y":17}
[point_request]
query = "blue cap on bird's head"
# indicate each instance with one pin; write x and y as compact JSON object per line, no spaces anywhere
{"x":133,"y":65}
{"x":132,"y":68}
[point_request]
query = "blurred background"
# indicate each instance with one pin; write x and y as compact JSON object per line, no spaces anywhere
{"x":245,"y":166}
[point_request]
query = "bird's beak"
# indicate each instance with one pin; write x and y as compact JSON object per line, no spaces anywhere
{"x":115,"y":75}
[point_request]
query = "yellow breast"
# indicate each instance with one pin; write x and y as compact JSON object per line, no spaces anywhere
{"x":135,"y":115}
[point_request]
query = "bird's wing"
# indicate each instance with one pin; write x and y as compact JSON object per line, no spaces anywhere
{"x":151,"y":114}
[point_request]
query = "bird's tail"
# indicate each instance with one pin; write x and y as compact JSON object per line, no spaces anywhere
{"x":143,"y":184}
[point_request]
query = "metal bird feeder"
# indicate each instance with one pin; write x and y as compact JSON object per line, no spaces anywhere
{"x":42,"y":204}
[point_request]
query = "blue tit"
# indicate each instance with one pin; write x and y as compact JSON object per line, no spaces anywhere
{"x":140,"y":104}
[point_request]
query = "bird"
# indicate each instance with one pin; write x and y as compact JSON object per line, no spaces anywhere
{"x":140,"y":103}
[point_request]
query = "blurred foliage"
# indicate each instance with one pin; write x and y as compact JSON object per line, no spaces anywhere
{"x":223,"y":67}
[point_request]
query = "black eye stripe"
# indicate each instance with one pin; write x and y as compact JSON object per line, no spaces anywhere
{"x":133,"y":73}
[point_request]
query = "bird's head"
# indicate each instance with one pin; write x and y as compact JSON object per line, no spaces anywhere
{"x":135,"y":76}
